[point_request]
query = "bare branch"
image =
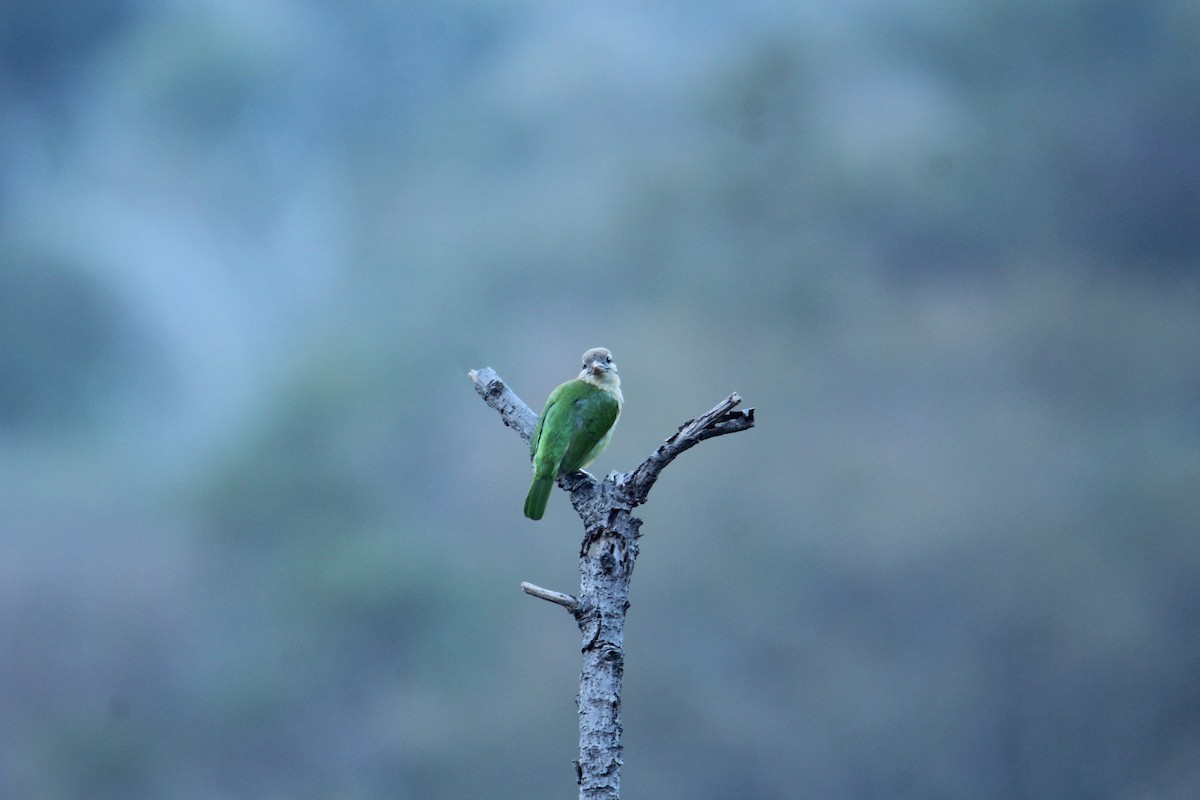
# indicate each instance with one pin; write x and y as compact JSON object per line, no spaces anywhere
{"x":512,"y":409}
{"x":718,"y":421}
{"x":565,"y":600}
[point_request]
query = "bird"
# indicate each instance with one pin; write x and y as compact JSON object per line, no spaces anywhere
{"x":574,"y":427}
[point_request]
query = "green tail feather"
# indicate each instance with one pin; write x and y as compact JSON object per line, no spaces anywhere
{"x":539,"y":493}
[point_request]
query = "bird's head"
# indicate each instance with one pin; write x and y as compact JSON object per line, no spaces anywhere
{"x":599,"y":367}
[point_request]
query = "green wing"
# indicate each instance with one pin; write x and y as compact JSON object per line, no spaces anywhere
{"x":593,"y":413}
{"x":553,"y":431}
{"x":537,"y":430}
{"x":572,"y":429}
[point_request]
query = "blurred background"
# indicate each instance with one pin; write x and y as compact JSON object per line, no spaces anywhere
{"x":259,"y":538}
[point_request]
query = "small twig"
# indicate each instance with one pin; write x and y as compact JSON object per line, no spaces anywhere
{"x":565,"y":600}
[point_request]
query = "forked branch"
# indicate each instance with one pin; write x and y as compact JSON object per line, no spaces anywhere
{"x":718,"y":421}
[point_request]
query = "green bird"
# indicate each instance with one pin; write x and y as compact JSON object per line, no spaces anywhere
{"x":574,"y":427}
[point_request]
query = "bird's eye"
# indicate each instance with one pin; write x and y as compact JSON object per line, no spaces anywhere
{"x":608,"y":359}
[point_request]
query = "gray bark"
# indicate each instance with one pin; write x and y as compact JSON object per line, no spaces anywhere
{"x":606,"y":559}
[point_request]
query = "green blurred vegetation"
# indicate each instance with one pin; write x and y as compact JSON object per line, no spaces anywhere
{"x":261,"y":539}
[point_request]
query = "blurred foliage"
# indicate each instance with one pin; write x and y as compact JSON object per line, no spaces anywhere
{"x":43,"y":46}
{"x":67,"y":346}
{"x":263,"y":540}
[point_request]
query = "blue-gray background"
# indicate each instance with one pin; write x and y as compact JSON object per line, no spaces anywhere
{"x":260,"y":539}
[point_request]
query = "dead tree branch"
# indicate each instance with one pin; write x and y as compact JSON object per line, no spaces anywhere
{"x":606,"y":559}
